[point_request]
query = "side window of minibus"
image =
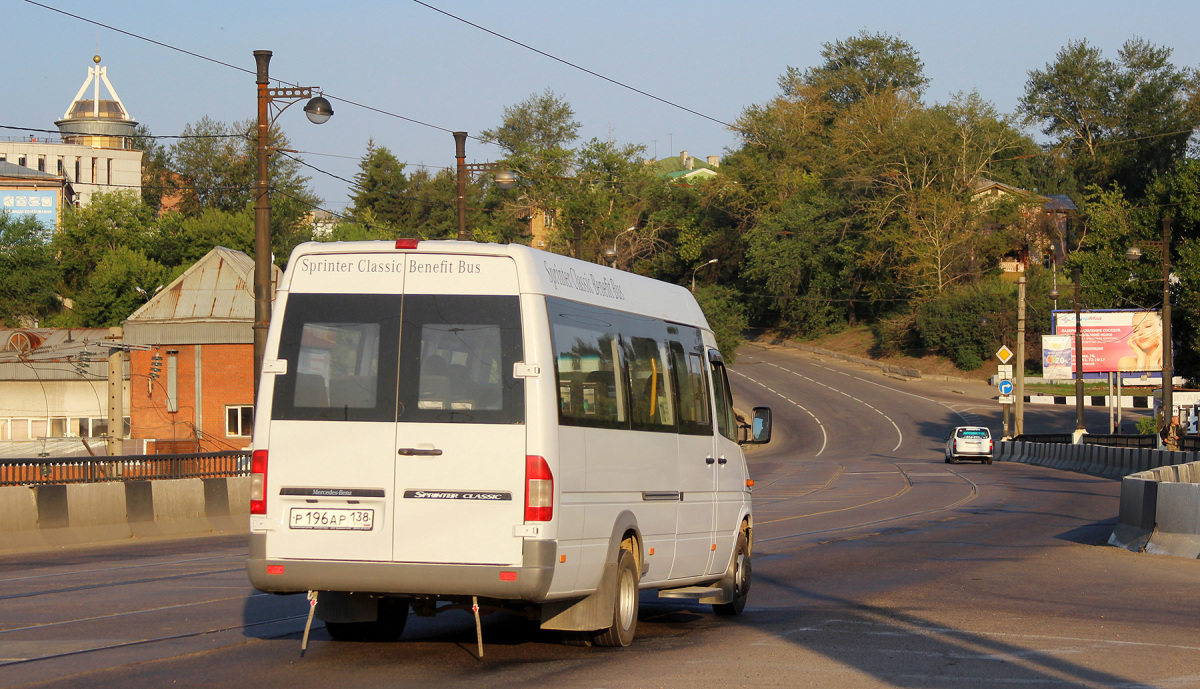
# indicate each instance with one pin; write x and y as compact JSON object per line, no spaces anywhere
{"x":688,"y":372}
{"x":726,"y":423}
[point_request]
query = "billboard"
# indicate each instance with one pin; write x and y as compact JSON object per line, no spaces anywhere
{"x":1117,"y":340}
{"x":40,"y":204}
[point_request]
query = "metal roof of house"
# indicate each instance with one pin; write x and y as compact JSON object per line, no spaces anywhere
{"x":212,"y":302}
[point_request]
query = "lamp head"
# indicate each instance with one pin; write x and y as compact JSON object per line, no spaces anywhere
{"x":318,"y":110}
{"x":505,"y":179}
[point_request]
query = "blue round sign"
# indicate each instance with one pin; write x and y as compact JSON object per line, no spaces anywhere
{"x":1006,"y":387}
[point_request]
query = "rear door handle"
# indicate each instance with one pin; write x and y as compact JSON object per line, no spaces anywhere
{"x":722,"y":460}
{"x":418,"y":452}
{"x":710,"y":460}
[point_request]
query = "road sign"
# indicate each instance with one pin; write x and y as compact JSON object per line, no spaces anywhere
{"x":1006,"y":387}
{"x":1007,"y":399}
{"x":1004,"y":372}
{"x":1004,"y":354}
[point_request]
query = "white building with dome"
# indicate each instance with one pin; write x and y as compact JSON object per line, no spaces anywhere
{"x":93,"y":153}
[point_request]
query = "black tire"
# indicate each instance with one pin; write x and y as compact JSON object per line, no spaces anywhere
{"x":988,"y":460}
{"x":952,"y":459}
{"x":947,"y":459}
{"x":740,"y":573}
{"x":625,"y":604}
{"x":393,"y":615}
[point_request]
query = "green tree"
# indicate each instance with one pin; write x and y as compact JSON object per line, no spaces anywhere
{"x":859,"y":67}
{"x":110,"y":297}
{"x":382,"y":188}
{"x":215,"y":166}
{"x":120,"y":219}
{"x":536,"y":135}
{"x":179,"y":240}
{"x":1122,"y":121}
{"x":156,"y":167}
{"x":28,"y":271}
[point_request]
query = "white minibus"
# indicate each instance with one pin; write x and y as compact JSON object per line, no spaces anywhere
{"x":447,"y":424}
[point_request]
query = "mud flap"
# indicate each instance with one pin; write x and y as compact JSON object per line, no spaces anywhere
{"x":584,"y":614}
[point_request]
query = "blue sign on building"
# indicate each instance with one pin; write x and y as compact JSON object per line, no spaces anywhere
{"x":42,"y":205}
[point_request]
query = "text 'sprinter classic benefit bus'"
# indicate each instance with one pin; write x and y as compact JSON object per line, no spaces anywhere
{"x":441,"y":423}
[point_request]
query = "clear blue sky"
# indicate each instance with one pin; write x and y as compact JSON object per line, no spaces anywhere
{"x":395,"y":55}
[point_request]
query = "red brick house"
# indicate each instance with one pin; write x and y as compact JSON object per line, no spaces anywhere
{"x":193,"y":391}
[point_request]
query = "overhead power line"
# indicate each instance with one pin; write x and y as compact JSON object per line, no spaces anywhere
{"x":573,"y":65}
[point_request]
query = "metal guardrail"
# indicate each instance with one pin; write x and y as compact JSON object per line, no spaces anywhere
{"x":1044,"y":438}
{"x":44,"y":470}
{"x":1141,"y":441}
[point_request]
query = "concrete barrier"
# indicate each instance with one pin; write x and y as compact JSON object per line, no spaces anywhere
{"x":33,"y":517}
{"x":1160,"y":511}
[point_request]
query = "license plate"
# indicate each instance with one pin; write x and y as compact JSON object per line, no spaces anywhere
{"x":332,"y":519}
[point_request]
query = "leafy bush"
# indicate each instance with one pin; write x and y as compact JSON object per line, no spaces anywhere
{"x":967,"y":359}
{"x":1147,"y":425}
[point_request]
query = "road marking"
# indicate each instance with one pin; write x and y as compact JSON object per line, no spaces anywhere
{"x":899,"y":433}
{"x":824,"y":436}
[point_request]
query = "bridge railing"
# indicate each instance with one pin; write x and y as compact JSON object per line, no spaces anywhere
{"x":43,"y":470}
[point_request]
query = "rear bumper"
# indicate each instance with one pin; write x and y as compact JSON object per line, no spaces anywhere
{"x":528,"y":582}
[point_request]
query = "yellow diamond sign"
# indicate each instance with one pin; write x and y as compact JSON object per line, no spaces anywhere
{"x":1004,"y":354}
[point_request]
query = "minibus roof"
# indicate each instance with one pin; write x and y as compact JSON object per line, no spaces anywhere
{"x":541,"y":272}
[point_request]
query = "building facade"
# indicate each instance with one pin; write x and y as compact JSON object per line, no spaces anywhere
{"x":93,"y":151}
{"x":193,"y":390}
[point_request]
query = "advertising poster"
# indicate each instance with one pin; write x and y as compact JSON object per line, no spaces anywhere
{"x":1057,"y":363}
{"x":1114,"y":340}
{"x":40,"y":204}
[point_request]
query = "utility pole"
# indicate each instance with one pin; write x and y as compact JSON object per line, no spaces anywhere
{"x":1019,"y":383}
{"x":1080,"y":429}
{"x":116,"y":389}
{"x":1168,"y":372}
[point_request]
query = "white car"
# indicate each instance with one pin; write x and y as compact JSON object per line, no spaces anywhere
{"x":969,"y":442}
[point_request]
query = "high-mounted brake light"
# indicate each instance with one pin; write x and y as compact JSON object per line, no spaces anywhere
{"x":539,"y":490}
{"x":406,"y":243}
{"x":258,"y":482}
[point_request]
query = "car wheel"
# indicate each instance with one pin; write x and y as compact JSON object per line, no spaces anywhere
{"x":625,"y":604}
{"x":740,"y":574}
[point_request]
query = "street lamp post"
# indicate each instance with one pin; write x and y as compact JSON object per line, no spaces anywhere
{"x":503,"y":180}
{"x":318,"y":111}
{"x":698,"y":268}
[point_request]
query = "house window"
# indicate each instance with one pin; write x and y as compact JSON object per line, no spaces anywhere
{"x":21,"y":161}
{"x":239,"y":421}
{"x":60,"y":166}
{"x":76,"y":170}
{"x":41,"y":163}
{"x":108,"y":170}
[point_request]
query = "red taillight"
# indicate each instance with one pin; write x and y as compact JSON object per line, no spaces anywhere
{"x":406,"y":243}
{"x":258,"y":482}
{"x":539,"y":490}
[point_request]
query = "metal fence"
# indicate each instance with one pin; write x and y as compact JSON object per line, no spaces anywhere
{"x":44,"y":470}
{"x":1142,"y":441}
{"x":1044,"y":438}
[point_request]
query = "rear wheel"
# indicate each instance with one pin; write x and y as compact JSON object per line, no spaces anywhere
{"x":393,"y":615}
{"x":625,"y":604}
{"x":739,"y":573}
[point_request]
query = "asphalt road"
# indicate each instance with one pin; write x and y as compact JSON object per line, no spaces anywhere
{"x":876,"y":564}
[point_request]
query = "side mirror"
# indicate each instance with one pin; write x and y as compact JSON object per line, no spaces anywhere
{"x":760,"y":427}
